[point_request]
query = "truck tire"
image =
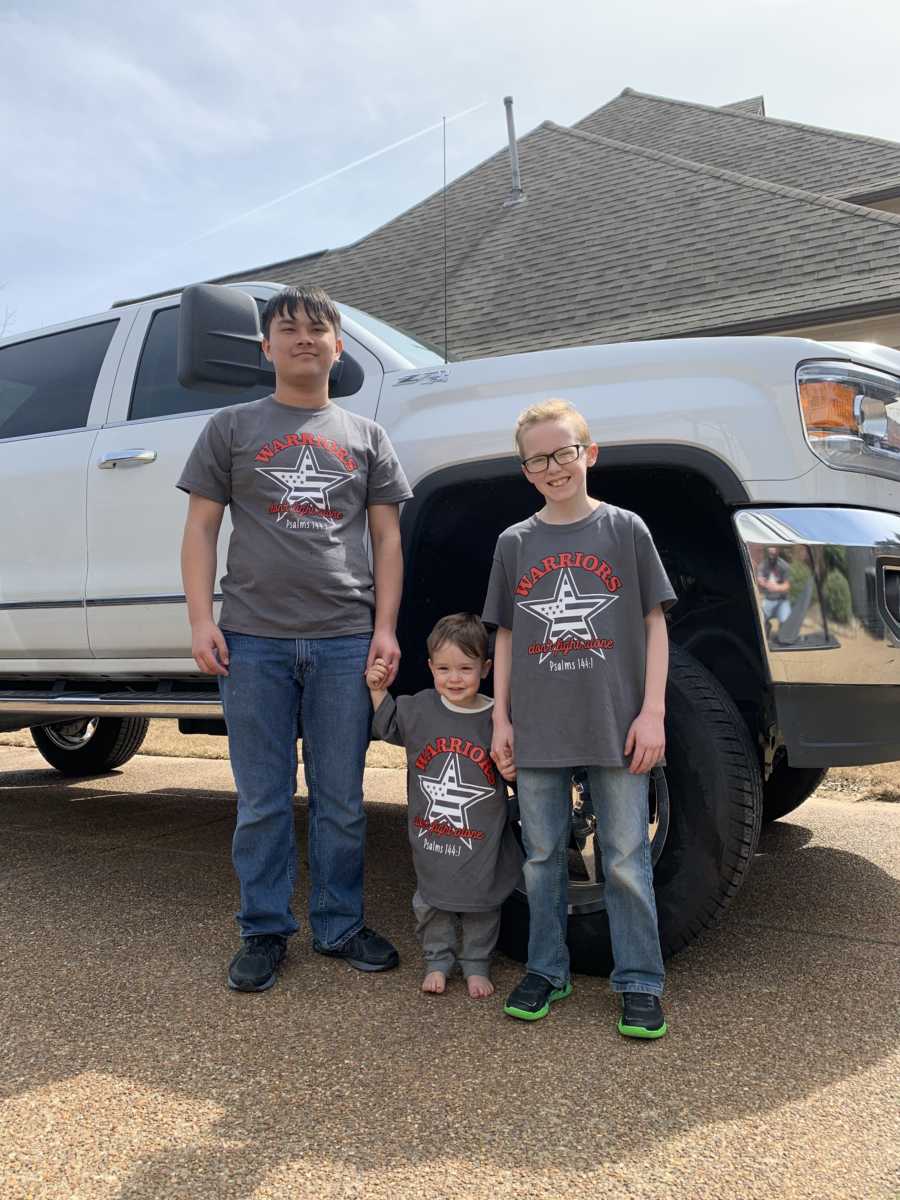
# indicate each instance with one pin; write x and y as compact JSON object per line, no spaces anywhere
{"x":787,"y":788}
{"x":706,"y":813}
{"x":90,"y":746}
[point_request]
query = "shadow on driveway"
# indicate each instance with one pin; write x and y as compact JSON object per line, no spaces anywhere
{"x":115,"y":941}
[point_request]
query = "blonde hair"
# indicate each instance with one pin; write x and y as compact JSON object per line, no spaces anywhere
{"x":552,"y":410}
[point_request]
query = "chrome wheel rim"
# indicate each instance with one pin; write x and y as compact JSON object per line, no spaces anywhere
{"x":72,"y":735}
{"x":586,"y":883}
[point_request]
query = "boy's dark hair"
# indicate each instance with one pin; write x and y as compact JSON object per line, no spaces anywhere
{"x":464,"y":630}
{"x":318,"y":304}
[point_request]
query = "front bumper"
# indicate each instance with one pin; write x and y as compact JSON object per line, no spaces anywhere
{"x":832,"y":643}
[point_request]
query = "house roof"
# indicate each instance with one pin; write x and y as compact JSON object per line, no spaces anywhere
{"x":614,"y":242}
{"x":739,"y":139}
{"x":755,"y":106}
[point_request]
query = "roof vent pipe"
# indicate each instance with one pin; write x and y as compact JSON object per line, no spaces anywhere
{"x":516,"y":195}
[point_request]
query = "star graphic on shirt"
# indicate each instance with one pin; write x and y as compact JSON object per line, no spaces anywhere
{"x":568,"y":613}
{"x":307,"y":482}
{"x":449,"y":799}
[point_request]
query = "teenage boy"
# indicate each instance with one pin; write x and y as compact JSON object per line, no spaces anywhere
{"x":577,"y":594}
{"x":303,"y":616}
{"x":465,"y":854}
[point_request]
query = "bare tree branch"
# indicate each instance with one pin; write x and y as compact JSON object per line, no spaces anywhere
{"x":7,"y":316}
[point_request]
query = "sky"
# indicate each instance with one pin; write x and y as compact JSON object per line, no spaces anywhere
{"x":143,"y":143}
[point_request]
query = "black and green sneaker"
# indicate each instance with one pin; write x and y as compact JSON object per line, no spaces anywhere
{"x":642,"y":1016}
{"x":532,"y":998}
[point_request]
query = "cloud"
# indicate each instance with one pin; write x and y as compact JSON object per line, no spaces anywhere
{"x":128,"y":130}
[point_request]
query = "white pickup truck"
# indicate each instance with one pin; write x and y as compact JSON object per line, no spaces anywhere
{"x":768,"y":470}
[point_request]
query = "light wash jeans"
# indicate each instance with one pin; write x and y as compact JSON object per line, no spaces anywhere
{"x":270,"y":682}
{"x":778,"y":607}
{"x":620,"y":806}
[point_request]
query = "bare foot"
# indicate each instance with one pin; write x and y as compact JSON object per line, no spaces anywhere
{"x":435,"y":982}
{"x":479,"y":986}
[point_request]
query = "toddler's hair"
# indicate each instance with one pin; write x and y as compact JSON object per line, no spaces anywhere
{"x":464,"y":630}
{"x":553,"y":410}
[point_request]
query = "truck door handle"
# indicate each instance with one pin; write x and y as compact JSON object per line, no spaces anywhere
{"x":126,"y":458}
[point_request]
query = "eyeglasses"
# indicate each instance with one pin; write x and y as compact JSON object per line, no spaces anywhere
{"x":562,"y":457}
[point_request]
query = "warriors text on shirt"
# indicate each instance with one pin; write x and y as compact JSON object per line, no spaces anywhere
{"x":559,"y":562}
{"x":454,"y":745}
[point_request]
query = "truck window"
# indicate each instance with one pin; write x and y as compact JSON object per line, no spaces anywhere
{"x":47,"y":383}
{"x":157,"y":392}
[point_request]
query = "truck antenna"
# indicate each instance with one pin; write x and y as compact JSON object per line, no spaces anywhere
{"x":516,"y":193}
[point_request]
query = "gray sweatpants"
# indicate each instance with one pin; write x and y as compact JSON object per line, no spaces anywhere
{"x":436,"y":930}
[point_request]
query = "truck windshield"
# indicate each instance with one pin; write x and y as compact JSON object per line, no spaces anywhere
{"x":415,"y":352}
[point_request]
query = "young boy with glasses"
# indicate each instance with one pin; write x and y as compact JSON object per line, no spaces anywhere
{"x":577,"y":594}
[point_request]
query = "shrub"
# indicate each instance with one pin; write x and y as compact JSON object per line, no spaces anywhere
{"x":799,"y":576}
{"x":836,"y":597}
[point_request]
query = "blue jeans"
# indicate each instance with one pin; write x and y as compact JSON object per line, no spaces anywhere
{"x":270,"y":682}
{"x":777,"y":606}
{"x":620,"y":806}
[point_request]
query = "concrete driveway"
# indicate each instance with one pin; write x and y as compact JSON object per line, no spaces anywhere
{"x":130,"y":1071}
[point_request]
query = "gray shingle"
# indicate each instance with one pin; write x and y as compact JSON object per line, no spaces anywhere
{"x":614,"y":242}
{"x":733,"y":137}
{"x":754,"y":107}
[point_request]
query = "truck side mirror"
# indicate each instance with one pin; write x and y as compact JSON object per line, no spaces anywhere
{"x":219,"y":340}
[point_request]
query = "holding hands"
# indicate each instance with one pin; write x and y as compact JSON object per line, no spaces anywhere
{"x":377,"y":675}
{"x":502,"y":748}
{"x":384,"y":648}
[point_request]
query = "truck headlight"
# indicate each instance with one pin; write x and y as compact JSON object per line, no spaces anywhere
{"x":851,"y":416}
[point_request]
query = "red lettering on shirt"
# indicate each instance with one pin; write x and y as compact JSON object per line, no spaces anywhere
{"x":442,"y":829}
{"x":559,"y":562}
{"x":425,"y":757}
{"x":566,"y":646}
{"x":454,"y":745}
{"x":268,"y":451}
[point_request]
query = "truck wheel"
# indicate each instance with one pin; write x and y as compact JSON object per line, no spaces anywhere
{"x":705,"y":815}
{"x":787,"y":787}
{"x":90,"y":745}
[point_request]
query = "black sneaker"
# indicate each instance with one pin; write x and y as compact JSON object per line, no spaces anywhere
{"x":532,"y":998}
{"x":366,"y":950}
{"x":642,"y":1016}
{"x":253,"y":967}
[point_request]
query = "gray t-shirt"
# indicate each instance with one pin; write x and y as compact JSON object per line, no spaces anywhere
{"x":575,"y":597}
{"x":465,"y":853}
{"x":298,"y":482}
